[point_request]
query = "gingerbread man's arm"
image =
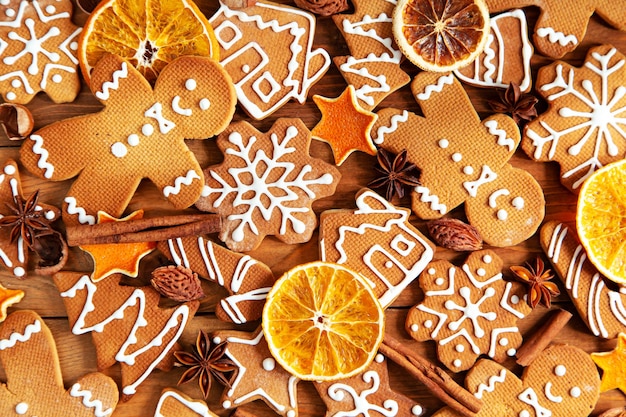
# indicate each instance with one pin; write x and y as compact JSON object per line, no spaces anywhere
{"x":114,"y":80}
{"x":182,"y":180}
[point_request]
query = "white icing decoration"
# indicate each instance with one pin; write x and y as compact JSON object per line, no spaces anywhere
{"x":559,"y":370}
{"x":431,"y":271}
{"x":457,"y":363}
{"x":269,"y":364}
{"x":191,"y":84}
{"x":204,"y":104}
{"x":529,"y":397}
{"x":414,"y":327}
{"x":491,"y":384}
{"x":33,"y":46}
{"x":19,"y":271}
{"x":187,"y":179}
{"x":42,"y":163}
{"x":468,"y":170}
{"x":395,"y":121}
{"x":9,"y":170}
{"x":11,"y":95}
{"x":362,"y":405}
{"x":21,"y":408}
{"x":548,"y":393}
{"x":459,"y":348}
{"x":471,"y":310}
{"x":147,"y":129}
{"x":56,"y":78}
{"x":156,"y":112}
{"x":114,"y":84}
{"x":427,"y":197}
{"x":73,"y":208}
{"x":556,"y":36}
{"x":575,"y":392}
{"x":456,"y":157}
{"x":511,"y":352}
{"x":439,"y":281}
{"x":518,"y":203}
{"x":16,"y":337}
{"x":503,"y":342}
{"x":443,"y":143}
{"x":486,"y":176}
{"x":481,"y":272}
{"x":119,"y":150}
{"x":503,"y":139}
{"x":135,"y":301}
{"x":86,"y":395}
{"x":436,"y":88}
{"x":177,"y":109}
{"x":196,"y":406}
{"x":417,"y":410}
{"x":428,"y":324}
{"x":133,"y":139}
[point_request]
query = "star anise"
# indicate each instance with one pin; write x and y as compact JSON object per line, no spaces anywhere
{"x":538,"y":280}
{"x":397,"y":174}
{"x":521,"y":106}
{"x":27,"y":220}
{"x":206,"y":361}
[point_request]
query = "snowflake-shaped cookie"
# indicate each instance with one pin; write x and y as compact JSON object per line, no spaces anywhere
{"x":585,"y":125}
{"x":266,"y":184}
{"x":468,"y":311}
{"x":37,"y":50}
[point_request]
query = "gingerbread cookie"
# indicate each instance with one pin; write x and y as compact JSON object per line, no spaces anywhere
{"x":600,"y":307}
{"x":504,"y":203}
{"x":376,"y":240}
{"x":561,"y":381}
{"x":366,"y":394}
{"x":268,"y":51}
{"x":126,"y":324}
{"x":469,"y":311}
{"x":266,"y":184}
{"x":173,"y":403}
{"x":560,"y":28}
{"x":34,"y":382}
{"x":246,"y":280}
{"x":373,"y":67}
{"x":506,"y":57}
{"x":139,"y":134}
{"x":583,"y":128}
{"x":345,"y":126}
{"x":258,"y":375}
{"x":14,"y":247}
{"x":38,"y":44}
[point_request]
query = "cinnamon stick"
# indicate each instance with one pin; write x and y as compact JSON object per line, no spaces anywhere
{"x":143,"y":230}
{"x":433,"y":377}
{"x":534,"y":345}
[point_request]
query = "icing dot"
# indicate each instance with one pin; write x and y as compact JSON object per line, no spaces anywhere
{"x":21,"y":408}
{"x":269,"y":364}
{"x":518,"y":203}
{"x":119,"y":150}
{"x":439,"y":281}
{"x":133,"y":139}
{"x":456,"y":157}
{"x":457,"y":362}
{"x":9,"y":12}
{"x":9,"y":169}
{"x":205,"y":104}
{"x":431,"y":271}
{"x":459,"y":348}
{"x":191,"y":84}
{"x":487,"y":259}
{"x":504,"y":341}
{"x":226,"y":404}
{"x":514,"y":299}
{"x":575,"y":392}
{"x":443,"y":143}
{"x":559,"y":370}
{"x":417,"y":410}
{"x":217,"y":340}
{"x":511,"y":352}
{"x":245,"y":68}
{"x":74,"y":46}
{"x":481,"y":272}
{"x":291,"y":413}
{"x":502,"y":214}
{"x":49,"y":215}
{"x":5,"y":2}
{"x":56,"y":78}
{"x":147,"y":129}
{"x":11,"y":95}
{"x":19,"y":271}
{"x":50,"y":9}
{"x":428,"y":324}
{"x":379,"y":358}
{"x":468,"y":170}
{"x":16,"y":83}
{"x":524,"y":413}
{"x":388,"y":264}
{"x":414,"y":327}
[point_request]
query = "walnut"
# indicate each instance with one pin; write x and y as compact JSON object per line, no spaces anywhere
{"x":177,"y":283}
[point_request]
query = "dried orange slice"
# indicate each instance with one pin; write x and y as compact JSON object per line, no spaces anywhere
{"x":147,"y":33}
{"x":601,"y":220}
{"x":441,"y":35}
{"x":323,"y":322}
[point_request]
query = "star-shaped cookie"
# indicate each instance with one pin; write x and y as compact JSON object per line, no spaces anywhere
{"x":345,"y":125}
{"x":115,"y":258}
{"x":612,"y":365}
{"x":258,"y":375}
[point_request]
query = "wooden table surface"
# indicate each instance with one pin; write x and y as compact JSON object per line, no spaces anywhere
{"x":77,"y":353}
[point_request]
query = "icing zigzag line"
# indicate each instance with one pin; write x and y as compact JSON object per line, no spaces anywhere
{"x":83,"y":217}
{"x":394,"y":123}
{"x":436,"y":88}
{"x":43,"y":156}
{"x":186,"y":180}
{"x":491,"y":384}
{"x":87,"y":402}
{"x":503,"y":140}
{"x":114,"y":84}
{"x":426,"y":197}
{"x":17,"y":337}
{"x":554,"y":36}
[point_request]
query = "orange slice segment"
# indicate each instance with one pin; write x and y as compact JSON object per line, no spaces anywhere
{"x":441,"y":35}
{"x":601,"y":220}
{"x":147,"y":33}
{"x":323,"y":322}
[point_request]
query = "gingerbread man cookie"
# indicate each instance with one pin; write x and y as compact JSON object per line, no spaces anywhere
{"x":505,"y":204}
{"x":469,"y":311}
{"x":560,"y":29}
{"x":126,"y":324}
{"x":373,"y":67}
{"x":246,"y":280}
{"x":34,"y":382}
{"x":266,"y":184}
{"x":376,"y":240}
{"x":139,"y":134}
{"x":268,"y":51}
{"x":561,"y":381}
{"x":603,"y":309}
{"x":38,"y":44}
{"x":583,"y":128}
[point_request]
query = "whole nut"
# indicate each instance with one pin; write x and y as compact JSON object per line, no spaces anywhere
{"x":177,"y":283}
{"x":455,"y":235}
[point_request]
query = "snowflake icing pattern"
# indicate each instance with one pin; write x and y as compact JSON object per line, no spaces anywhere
{"x":590,"y":103}
{"x":264,"y":182}
{"x":469,"y":311}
